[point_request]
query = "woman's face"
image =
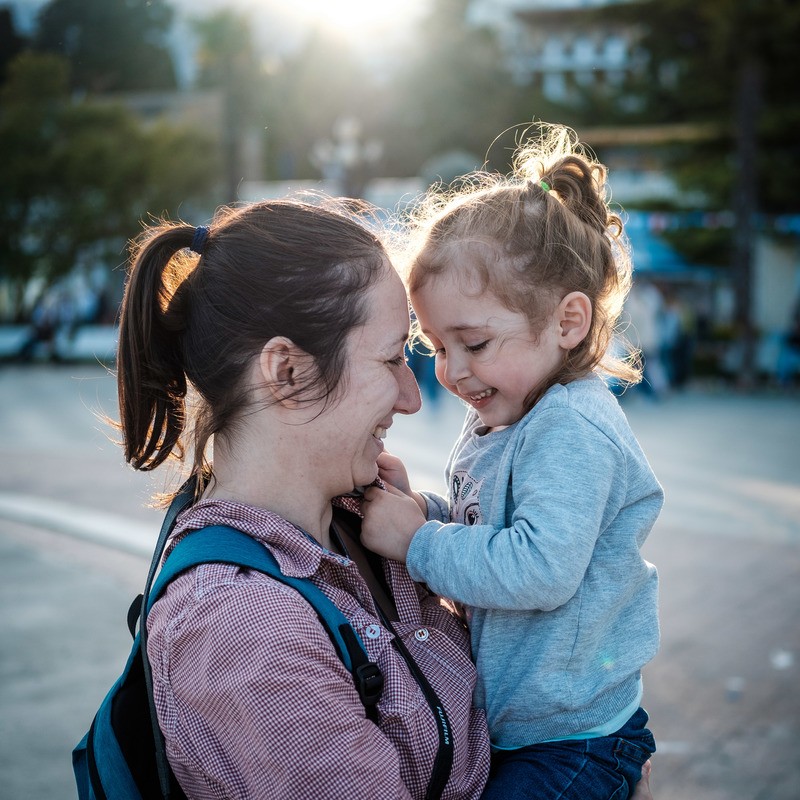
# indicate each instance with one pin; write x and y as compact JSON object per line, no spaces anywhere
{"x":377,"y":384}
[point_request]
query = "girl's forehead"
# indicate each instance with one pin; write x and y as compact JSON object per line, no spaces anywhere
{"x":445,"y":301}
{"x":462,"y":278}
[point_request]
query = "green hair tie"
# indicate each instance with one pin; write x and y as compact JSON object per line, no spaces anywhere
{"x":545,"y":186}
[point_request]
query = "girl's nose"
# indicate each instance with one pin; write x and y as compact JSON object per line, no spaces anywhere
{"x":455,"y":369}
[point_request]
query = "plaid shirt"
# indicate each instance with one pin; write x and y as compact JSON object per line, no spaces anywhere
{"x":255,"y":703}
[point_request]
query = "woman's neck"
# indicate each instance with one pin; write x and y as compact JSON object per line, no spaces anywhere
{"x":272,"y":481}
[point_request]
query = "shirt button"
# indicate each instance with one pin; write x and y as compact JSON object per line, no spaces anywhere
{"x":372,"y":631}
{"x":421,"y":635}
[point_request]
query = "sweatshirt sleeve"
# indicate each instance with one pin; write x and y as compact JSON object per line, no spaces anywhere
{"x":437,"y":507}
{"x":567,"y":482}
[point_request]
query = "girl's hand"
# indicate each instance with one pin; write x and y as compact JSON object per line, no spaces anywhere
{"x":392,"y":472}
{"x":643,"y":787}
{"x":391,"y":518}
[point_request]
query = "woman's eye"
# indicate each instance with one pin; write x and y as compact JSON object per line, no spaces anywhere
{"x":475,"y":348}
{"x":398,"y":361}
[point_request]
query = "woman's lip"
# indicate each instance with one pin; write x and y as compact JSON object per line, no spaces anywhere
{"x":381,"y":430}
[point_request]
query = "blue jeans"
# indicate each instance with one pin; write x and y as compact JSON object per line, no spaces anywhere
{"x":605,"y":768}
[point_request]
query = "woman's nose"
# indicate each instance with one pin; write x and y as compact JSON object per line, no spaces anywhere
{"x":408,"y":400}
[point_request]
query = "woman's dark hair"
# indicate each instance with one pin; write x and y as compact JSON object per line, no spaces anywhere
{"x":275,"y":268}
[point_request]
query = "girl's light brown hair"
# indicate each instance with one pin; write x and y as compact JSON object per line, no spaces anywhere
{"x":530,"y":238}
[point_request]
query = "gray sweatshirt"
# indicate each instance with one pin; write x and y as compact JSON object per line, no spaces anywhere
{"x":540,"y":540}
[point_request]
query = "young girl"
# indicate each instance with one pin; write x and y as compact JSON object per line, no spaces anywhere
{"x":517,"y":286}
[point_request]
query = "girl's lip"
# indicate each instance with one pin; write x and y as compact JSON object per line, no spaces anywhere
{"x":479,"y":399}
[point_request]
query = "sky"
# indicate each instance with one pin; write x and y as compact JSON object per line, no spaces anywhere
{"x":370,"y":28}
{"x":278,"y":23}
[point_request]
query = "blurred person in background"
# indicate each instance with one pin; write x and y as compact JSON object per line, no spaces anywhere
{"x":789,"y":353}
{"x":644,"y":309}
{"x":678,"y":337}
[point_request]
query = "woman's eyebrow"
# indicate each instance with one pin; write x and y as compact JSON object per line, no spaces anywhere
{"x":399,"y":342}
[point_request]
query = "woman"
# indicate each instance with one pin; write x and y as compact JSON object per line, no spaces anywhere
{"x":288,"y":324}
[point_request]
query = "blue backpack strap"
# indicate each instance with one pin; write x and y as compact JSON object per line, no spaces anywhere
{"x":225,"y":545}
{"x":183,"y":498}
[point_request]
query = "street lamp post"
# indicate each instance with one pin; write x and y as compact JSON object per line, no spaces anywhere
{"x":346,"y":158}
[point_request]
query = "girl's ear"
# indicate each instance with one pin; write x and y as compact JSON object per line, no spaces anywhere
{"x":283,"y":365}
{"x":574,"y":316}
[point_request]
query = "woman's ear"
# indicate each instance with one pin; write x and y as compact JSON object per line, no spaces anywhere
{"x":282,"y":364}
{"x":574,"y":316}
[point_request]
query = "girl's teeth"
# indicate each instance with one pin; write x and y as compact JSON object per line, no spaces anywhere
{"x":484,"y":393}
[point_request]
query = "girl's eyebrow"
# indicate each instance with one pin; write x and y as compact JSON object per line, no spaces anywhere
{"x":459,"y":328}
{"x":465,"y":327}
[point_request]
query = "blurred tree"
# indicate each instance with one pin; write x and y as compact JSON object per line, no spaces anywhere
{"x":308,"y":91}
{"x":721,"y":62}
{"x":227,"y":60}
{"x":452,"y":92}
{"x":447,"y":92}
{"x":731,"y":63}
{"x":11,"y":43}
{"x":82,"y":174}
{"x":111,"y":45}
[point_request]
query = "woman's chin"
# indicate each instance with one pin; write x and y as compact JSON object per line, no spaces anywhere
{"x":368,"y":478}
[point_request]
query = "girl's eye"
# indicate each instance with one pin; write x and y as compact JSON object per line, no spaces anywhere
{"x":475,"y":348}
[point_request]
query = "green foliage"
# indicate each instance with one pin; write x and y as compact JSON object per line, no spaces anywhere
{"x":227,"y":61}
{"x":305,"y":96}
{"x":448,"y":91}
{"x":112,"y":45}
{"x":83,"y":174}
{"x":452,"y":92}
{"x":11,"y":43}
{"x":708,"y":247}
{"x":697,"y":56}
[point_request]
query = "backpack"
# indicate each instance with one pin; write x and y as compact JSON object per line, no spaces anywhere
{"x":122,"y":756}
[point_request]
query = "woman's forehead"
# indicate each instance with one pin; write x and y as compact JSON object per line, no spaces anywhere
{"x":388,"y":306}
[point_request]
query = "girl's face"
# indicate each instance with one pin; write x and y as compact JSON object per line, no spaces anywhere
{"x":377,"y":385}
{"x":486,"y":354}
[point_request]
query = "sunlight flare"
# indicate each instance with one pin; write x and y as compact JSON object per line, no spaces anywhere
{"x":356,"y":18}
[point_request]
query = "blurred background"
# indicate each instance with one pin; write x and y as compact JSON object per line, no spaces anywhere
{"x":113,"y":112}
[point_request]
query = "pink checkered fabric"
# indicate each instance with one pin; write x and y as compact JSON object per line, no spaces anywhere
{"x":255,"y":703}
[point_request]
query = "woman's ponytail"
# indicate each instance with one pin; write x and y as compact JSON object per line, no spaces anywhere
{"x":151,"y":377}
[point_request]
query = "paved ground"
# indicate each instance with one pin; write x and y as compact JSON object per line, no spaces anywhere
{"x":723,"y":694}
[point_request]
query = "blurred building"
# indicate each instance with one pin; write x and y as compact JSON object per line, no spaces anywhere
{"x":559,"y":46}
